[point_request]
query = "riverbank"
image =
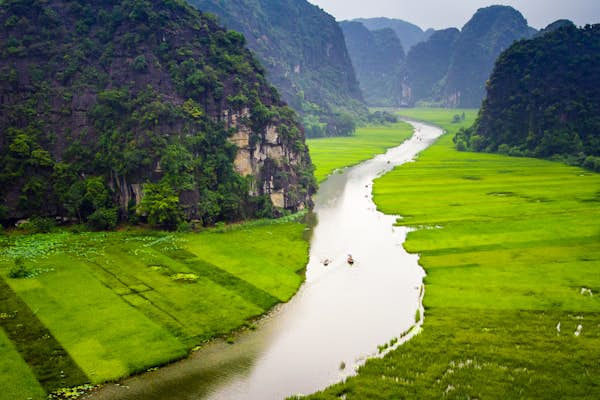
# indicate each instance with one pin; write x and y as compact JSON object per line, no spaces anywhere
{"x":334,"y":153}
{"x":511,"y":248}
{"x":100,"y":306}
{"x":333,"y":323}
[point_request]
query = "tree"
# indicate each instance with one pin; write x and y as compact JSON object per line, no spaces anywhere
{"x":160,"y":204}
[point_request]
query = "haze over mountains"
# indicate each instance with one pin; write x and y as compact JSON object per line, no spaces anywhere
{"x":409,"y":34}
{"x":378,"y":59}
{"x":450,"y":67}
{"x":303,"y":51}
{"x":107,"y":97}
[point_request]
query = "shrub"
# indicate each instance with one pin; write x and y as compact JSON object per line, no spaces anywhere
{"x":516,"y":152}
{"x":460,"y":145}
{"x":185,"y":227}
{"x":504,"y":149}
{"x":161,"y":205}
{"x":19,"y":270}
{"x":140,"y":64}
{"x":592,"y":162}
{"x":102,"y":219}
{"x":39,"y":225}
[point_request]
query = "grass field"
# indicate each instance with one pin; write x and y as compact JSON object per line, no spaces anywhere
{"x":106,"y":305}
{"x":16,"y":378}
{"x":329,"y":154}
{"x":511,"y":247}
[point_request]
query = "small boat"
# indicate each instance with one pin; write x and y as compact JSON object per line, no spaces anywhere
{"x":326,"y":262}
{"x":350,"y":260}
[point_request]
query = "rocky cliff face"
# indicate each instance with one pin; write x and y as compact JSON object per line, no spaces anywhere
{"x":490,"y":31}
{"x":428,"y":62}
{"x":100,"y":98}
{"x":270,"y":161}
{"x":451,"y":67}
{"x":378,"y":59}
{"x":304,"y":52}
{"x":409,"y":34}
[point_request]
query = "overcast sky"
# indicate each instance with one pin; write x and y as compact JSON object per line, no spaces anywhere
{"x":455,"y":13}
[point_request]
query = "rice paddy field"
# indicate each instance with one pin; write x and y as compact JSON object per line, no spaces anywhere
{"x":331,"y":154}
{"x":511,"y":247}
{"x":99,"y":306}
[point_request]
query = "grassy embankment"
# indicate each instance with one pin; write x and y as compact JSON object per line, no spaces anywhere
{"x":329,"y":154}
{"x":105,"y":305}
{"x":511,"y":247}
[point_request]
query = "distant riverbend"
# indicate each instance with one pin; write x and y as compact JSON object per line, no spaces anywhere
{"x":338,"y":318}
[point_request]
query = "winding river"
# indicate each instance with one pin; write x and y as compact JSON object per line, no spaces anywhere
{"x":337,"y":319}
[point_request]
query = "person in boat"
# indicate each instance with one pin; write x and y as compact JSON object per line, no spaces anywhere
{"x":350,"y":259}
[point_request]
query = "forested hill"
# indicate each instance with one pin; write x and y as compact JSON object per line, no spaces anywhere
{"x":561,"y":23}
{"x":490,"y":31}
{"x":108,"y":107}
{"x":378,"y":60}
{"x":303,"y":50}
{"x":427,"y":63}
{"x":543,"y":99}
{"x":409,"y":34}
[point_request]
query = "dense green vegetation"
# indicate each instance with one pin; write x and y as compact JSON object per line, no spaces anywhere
{"x":303,"y":50}
{"x":447,"y":68}
{"x":378,"y":59}
{"x":543,"y":99}
{"x":409,"y":34}
{"x":99,"y":306}
{"x":511,"y":247}
{"x":16,"y":378}
{"x":100,"y":98}
{"x":490,"y":31}
{"x":330,"y":154}
{"x":427,"y":63}
{"x":451,"y":68}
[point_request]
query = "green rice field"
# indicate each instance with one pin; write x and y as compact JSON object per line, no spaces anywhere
{"x":100,"y":306}
{"x":511,"y":247}
{"x":330,"y":154}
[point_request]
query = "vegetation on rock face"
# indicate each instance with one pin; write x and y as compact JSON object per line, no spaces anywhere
{"x":303,"y":50}
{"x":101,"y":97}
{"x":409,"y":34}
{"x":451,"y":68}
{"x":427,"y":63}
{"x":543,"y":100}
{"x":490,"y":31}
{"x":443,"y":68}
{"x":561,"y":23}
{"x":378,"y":60}
{"x":511,"y":251}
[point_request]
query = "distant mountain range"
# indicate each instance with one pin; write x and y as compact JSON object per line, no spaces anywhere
{"x":378,"y":60}
{"x":490,"y":31}
{"x":325,"y":74}
{"x":409,"y":34}
{"x":447,"y":67}
{"x":428,"y":62}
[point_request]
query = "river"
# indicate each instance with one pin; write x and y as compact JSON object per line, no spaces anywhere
{"x":337,"y":319}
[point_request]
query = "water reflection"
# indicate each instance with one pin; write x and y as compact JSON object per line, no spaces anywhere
{"x":337,"y":319}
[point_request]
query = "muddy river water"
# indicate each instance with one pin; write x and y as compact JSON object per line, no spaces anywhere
{"x":337,"y":319}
